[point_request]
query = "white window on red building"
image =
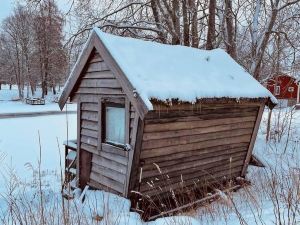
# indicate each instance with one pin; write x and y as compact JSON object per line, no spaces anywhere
{"x":277,"y":90}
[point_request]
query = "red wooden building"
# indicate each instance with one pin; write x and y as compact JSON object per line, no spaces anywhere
{"x":285,"y":87}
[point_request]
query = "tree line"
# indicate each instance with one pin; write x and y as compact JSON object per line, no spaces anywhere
{"x":262,"y":35}
{"x":32,"y":53}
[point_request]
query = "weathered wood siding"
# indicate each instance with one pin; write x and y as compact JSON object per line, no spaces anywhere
{"x":109,"y":165}
{"x":194,"y":146}
{"x":96,"y":79}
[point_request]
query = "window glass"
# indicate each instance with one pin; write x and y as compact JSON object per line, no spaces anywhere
{"x":277,"y":90}
{"x":115,"y":125}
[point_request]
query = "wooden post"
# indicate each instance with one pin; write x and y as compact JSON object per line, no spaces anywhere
{"x":298,"y":93}
{"x":66,"y":174}
{"x":78,"y":141}
{"x":269,"y":125}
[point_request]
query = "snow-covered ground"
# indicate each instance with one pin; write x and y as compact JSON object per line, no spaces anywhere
{"x":18,"y":107}
{"x":272,"y":198}
{"x":19,"y":143}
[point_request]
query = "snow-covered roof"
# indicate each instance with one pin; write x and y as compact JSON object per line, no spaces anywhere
{"x":160,"y":71}
{"x":164,"y":72}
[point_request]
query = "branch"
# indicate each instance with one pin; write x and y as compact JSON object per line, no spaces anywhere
{"x":288,"y":4}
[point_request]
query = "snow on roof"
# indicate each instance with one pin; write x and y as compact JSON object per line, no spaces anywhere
{"x":164,"y":72}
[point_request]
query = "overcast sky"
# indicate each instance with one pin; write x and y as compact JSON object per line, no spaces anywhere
{"x":6,"y":7}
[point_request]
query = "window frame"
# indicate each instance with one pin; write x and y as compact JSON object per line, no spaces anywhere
{"x":291,"y":89}
{"x":277,"y":90}
{"x":113,"y":102}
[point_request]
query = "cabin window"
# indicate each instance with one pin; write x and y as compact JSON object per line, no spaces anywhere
{"x":277,"y":90}
{"x":291,"y":89}
{"x":114,"y":124}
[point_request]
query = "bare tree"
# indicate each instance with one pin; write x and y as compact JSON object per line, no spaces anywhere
{"x":211,"y":25}
{"x":230,"y":31}
{"x":34,"y":37}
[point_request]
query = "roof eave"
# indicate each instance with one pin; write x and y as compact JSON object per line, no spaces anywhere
{"x":96,"y":42}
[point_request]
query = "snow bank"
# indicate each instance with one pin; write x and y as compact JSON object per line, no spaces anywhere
{"x":164,"y":71}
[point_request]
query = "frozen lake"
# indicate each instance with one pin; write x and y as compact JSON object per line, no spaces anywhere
{"x":19,"y":145}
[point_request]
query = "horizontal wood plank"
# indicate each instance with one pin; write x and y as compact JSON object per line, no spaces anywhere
{"x":194,"y":146}
{"x":91,"y":125}
{"x":99,"y":83}
{"x":201,"y":155}
{"x":90,"y":107}
{"x":108,"y":182}
{"x":196,"y":183}
{"x":89,"y":133}
{"x":89,"y":140}
{"x":182,"y":140}
{"x":97,"y":91}
{"x":210,"y":174}
{"x":99,"y":75}
{"x":198,"y":164}
{"x":89,"y":115}
{"x":195,"y":124}
{"x":113,"y":165}
{"x":114,"y":150}
{"x":197,"y":131}
{"x":96,"y":185}
{"x":109,"y":173}
{"x":237,"y":113}
{"x":98,"y":66}
{"x":114,"y":157}
{"x":193,"y":154}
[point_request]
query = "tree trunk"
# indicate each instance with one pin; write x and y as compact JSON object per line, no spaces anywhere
{"x":176,"y":22}
{"x":53,"y":89}
{"x":211,"y":25}
{"x":269,"y":125}
{"x":186,"y":25}
{"x":158,"y":21}
{"x":260,"y":50}
{"x":195,"y":35}
{"x":230,"y":43}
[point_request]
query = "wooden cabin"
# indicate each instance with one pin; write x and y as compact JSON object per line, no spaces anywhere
{"x":286,"y":88}
{"x":152,"y":117}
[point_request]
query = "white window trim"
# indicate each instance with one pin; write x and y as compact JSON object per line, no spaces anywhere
{"x":277,"y":90}
{"x":291,"y":89}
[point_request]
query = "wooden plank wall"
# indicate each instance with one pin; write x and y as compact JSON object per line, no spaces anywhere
{"x":195,"y":146}
{"x":108,"y":164}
